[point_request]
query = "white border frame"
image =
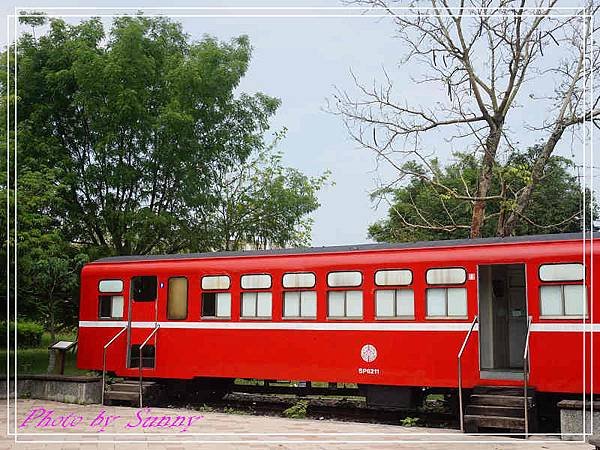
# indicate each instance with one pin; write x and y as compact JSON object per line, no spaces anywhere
{"x":258,"y":12}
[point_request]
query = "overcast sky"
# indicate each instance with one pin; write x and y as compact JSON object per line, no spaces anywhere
{"x":300,"y":60}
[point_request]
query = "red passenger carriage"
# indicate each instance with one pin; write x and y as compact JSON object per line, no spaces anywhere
{"x":376,"y":314}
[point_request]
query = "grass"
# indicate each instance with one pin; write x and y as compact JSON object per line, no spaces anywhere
{"x":35,"y":360}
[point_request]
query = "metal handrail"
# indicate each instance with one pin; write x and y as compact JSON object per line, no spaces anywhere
{"x":140,"y":362}
{"x":104,"y":359}
{"x":460,"y":353}
{"x":526,"y":375}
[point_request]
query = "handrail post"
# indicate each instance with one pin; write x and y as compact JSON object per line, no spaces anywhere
{"x":459,"y":357}
{"x":140,"y":360}
{"x":526,"y":376}
{"x":104,"y":359}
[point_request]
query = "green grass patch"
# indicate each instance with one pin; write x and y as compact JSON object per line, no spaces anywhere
{"x":35,"y":360}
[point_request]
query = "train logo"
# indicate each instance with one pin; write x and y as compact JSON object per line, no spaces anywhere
{"x":368,"y":353}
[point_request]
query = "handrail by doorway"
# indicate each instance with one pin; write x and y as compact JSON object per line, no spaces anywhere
{"x":526,"y":375}
{"x":460,"y":353}
{"x":140,"y":363}
{"x":104,"y":359}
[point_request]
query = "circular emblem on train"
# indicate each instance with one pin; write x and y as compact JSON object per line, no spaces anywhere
{"x":368,"y":353}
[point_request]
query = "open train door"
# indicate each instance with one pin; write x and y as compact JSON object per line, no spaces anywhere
{"x":502,"y":320}
{"x":143,"y":316}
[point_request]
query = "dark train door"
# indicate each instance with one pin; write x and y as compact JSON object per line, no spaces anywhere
{"x":143,"y":314}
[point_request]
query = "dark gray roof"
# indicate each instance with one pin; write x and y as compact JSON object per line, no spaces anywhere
{"x":350,"y":248}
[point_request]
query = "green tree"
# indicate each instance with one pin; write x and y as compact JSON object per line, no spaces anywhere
{"x":261,"y":203}
{"x":136,"y":119}
{"x":126,"y":136}
{"x":423,"y":210}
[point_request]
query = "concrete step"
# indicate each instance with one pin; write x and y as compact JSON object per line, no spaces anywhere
{"x":132,"y":397}
{"x":499,"y":411}
{"x":474,"y":422}
{"x":499,"y":400}
{"x":125,"y":387}
{"x":516,"y":391}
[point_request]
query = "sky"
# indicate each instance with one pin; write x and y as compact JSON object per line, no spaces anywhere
{"x":301,"y":61}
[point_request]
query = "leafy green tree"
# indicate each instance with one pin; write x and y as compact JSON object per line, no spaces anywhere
{"x":261,"y":203}
{"x":424,"y":210}
{"x":128,"y":137}
{"x":135,"y":119}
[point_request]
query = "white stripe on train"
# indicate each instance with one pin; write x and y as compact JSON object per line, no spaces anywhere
{"x":370,"y":326}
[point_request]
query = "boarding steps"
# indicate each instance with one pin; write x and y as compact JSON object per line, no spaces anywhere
{"x":499,"y":407}
{"x":128,"y":391}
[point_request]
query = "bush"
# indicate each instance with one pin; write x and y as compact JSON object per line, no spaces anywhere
{"x":409,"y":421}
{"x":297,"y":411}
{"x":29,"y":334}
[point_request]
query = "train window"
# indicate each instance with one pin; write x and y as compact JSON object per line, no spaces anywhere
{"x":393,"y":277}
{"x":345,"y":304}
{"x":563,"y":300}
{"x":211,"y":282}
{"x":216,"y":304}
{"x":300,"y":304}
{"x":144,"y":288}
{"x":394,"y":303}
{"x":110,"y":286}
{"x":256,"y":304}
{"x":451,"y":275}
{"x":447,"y":302}
{"x":299,"y":280}
{"x":561,"y":272}
{"x":110,"y":307}
{"x":344,"y":279}
{"x":177,"y":298}
{"x":259,"y":281}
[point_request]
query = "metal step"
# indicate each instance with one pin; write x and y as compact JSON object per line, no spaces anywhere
{"x":500,"y":400}
{"x":508,"y":423}
{"x":497,"y":411}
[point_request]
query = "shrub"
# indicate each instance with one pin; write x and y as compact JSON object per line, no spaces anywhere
{"x":409,"y":421}
{"x":297,"y":410}
{"x":29,"y":334}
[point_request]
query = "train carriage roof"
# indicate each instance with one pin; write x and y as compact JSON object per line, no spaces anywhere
{"x":352,"y":248}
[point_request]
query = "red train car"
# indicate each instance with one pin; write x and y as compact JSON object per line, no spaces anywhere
{"x":376,"y":314}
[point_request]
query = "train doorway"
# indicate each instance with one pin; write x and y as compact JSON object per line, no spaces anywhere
{"x":502,"y":320}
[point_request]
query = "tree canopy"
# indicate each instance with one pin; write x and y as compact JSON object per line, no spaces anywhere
{"x":425,"y":211}
{"x":132,"y":139}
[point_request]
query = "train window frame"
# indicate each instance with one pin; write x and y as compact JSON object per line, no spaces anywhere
{"x":256,"y":316}
{"x":300,"y":316}
{"x":187,"y":297}
{"x":563,"y":303}
{"x":345,"y":286}
{"x":396,"y":316}
{"x":412,"y":277}
{"x":111,"y":279}
{"x":299,"y":273}
{"x":132,"y":288}
{"x":256,"y":288}
{"x":215,"y":275}
{"x":345,"y":316}
{"x":446,"y":283}
{"x":104,"y":296}
{"x":563,"y":280}
{"x":446,"y":288}
{"x":216,"y":293}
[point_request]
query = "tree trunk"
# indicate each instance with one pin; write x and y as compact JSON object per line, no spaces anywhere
{"x":537,"y":173}
{"x":485,"y":179}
